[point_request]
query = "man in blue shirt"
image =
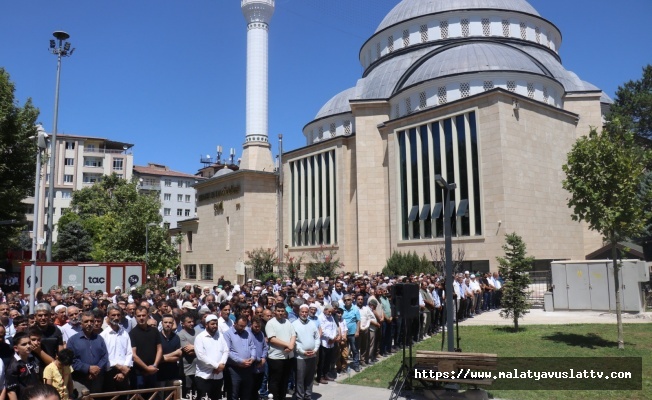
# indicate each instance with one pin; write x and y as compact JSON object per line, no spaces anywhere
{"x":91,"y":356}
{"x":242,"y":358}
{"x":352,"y":318}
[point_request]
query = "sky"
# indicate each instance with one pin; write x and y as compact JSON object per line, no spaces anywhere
{"x":168,"y":76}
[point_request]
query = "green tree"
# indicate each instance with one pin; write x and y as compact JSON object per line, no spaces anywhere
{"x":74,"y":243}
{"x":17,"y":157}
{"x":632,"y":106}
{"x":322,"y":262}
{"x":116,"y":215}
{"x":514,"y":269}
{"x":604,"y":175}
{"x":263,"y":261}
{"x":407,"y":264}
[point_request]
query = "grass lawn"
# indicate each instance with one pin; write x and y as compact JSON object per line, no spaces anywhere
{"x":586,"y":340}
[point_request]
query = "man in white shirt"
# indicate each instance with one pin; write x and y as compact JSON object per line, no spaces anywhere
{"x":329,"y":335}
{"x":118,"y":346}
{"x":118,"y":294}
{"x":477,"y":294}
{"x":224,"y":322}
{"x":498,"y":285}
{"x":73,"y":326}
{"x":212,"y":353}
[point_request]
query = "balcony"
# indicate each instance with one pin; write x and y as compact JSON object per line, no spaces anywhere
{"x":146,"y":186}
{"x":104,"y":151}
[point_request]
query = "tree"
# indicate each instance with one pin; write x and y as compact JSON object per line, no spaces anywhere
{"x":633,"y":105}
{"x":74,"y":243}
{"x":514,"y":269}
{"x":604,"y":175}
{"x":263,"y":261}
{"x":116,"y":215}
{"x":408,"y":264}
{"x":323,"y":263}
{"x":17,"y":157}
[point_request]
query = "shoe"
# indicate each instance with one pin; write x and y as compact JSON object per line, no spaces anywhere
{"x":324,"y":381}
{"x":328,"y":378}
{"x":371,"y":362}
{"x":375,"y":360}
{"x":316,"y":383}
{"x":356,"y":369}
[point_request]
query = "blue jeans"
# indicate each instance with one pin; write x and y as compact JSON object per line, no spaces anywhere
{"x":354,"y":350}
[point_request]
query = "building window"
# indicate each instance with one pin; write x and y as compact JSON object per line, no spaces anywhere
{"x":118,"y":164}
{"x":465,"y":89}
{"x":191,"y":271}
{"x":69,"y":161}
{"x":92,"y":162}
{"x":423,"y":30}
{"x":206,"y":272}
{"x":90,"y":147}
{"x":166,"y":212}
{"x":67,"y":178}
{"x":537,"y":32}
{"x":488,"y":85}
{"x":446,"y":147}
{"x":408,"y":105}
{"x":347,"y":127}
{"x":486,"y":27}
{"x":465,"y":27}
{"x":167,"y":197}
{"x":442,"y":94}
{"x":390,"y":43}
{"x":333,"y":129}
{"x":189,"y":237}
{"x":313,"y":194}
{"x":63,"y":210}
{"x":66,"y":194}
{"x":91,"y":178}
{"x":511,"y":86}
{"x":168,"y":182}
{"x":423,"y":100}
{"x":523,"y":31}
{"x":406,"y":37}
{"x":321,"y":132}
{"x":530,"y":90}
{"x":545,"y":94}
{"x":179,"y":198}
{"x":187,"y":184}
{"x":186,"y":213}
{"x":506,"y":28}
{"x":180,"y":184}
{"x":187,"y":198}
{"x":378,"y":50}
{"x":397,"y":111}
{"x":443,"y":28}
{"x":179,"y":212}
{"x":70,"y":145}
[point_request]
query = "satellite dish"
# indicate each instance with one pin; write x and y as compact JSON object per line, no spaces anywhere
{"x":41,"y":240}
{"x":208,"y":156}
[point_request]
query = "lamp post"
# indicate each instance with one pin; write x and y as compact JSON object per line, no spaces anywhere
{"x":147,"y":242}
{"x":449,"y":258}
{"x":61,"y":50}
{"x":42,"y":145}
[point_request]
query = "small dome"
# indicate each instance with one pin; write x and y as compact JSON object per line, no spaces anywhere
{"x":408,"y":9}
{"x":222,"y":172}
{"x":338,"y":104}
{"x":473,"y":57}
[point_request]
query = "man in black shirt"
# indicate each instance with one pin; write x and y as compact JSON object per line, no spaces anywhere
{"x":147,"y":351}
{"x":171,"y":346}
{"x":51,"y":337}
{"x":23,"y":369}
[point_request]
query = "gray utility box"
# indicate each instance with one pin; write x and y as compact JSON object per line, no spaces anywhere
{"x":589,"y":285}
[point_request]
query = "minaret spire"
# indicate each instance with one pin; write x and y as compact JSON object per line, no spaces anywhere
{"x":257,"y":154}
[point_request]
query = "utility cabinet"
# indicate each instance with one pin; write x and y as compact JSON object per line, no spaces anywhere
{"x":589,"y":285}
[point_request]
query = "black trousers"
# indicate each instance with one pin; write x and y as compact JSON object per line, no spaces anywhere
{"x":279,"y":375}
{"x":241,"y":379}
{"x":325,"y":359}
{"x":209,"y":387}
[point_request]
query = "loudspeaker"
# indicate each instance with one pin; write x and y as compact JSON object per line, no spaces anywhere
{"x":406,"y":299}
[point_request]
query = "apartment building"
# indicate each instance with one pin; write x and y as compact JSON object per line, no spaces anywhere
{"x":175,"y":189}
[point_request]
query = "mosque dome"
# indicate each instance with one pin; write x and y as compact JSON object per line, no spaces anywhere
{"x":409,"y":9}
{"x":426,"y":53}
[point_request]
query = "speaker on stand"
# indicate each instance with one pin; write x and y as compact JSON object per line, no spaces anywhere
{"x":405,"y":297}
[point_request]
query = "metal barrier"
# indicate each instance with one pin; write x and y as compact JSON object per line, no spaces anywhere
{"x":164,"y":393}
{"x":541,"y":283}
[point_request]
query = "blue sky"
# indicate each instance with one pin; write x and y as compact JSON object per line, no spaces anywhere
{"x":169,"y":75}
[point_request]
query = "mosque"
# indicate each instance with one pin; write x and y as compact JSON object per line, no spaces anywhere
{"x":470,"y":92}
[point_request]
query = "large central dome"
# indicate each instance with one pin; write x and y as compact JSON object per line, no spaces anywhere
{"x":408,"y":9}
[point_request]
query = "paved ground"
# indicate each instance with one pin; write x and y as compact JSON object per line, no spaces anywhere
{"x":340,"y":391}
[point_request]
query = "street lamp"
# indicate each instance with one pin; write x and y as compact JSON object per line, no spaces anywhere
{"x":147,"y":242}
{"x":62,"y":50}
{"x":449,"y":258}
{"x":42,"y":145}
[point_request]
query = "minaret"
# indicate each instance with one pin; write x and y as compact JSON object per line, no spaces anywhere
{"x":257,"y":154}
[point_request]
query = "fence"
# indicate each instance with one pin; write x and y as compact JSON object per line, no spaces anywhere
{"x":541,"y":283}
{"x":164,"y":393}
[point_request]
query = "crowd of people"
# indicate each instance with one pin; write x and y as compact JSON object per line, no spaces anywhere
{"x":233,"y":341}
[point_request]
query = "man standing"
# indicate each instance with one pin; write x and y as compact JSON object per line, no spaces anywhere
{"x":329,"y":336}
{"x":187,"y":340}
{"x":171,"y":346}
{"x":91,"y":357}
{"x":351,"y":317}
{"x":118,"y":346}
{"x":212,"y":354}
{"x":51,"y":337}
{"x":7,"y":322}
{"x":307,"y":341}
{"x":260,"y":344}
{"x":73,"y":326}
{"x":147,"y":351}
{"x":282,"y":338}
{"x":242,"y":356}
